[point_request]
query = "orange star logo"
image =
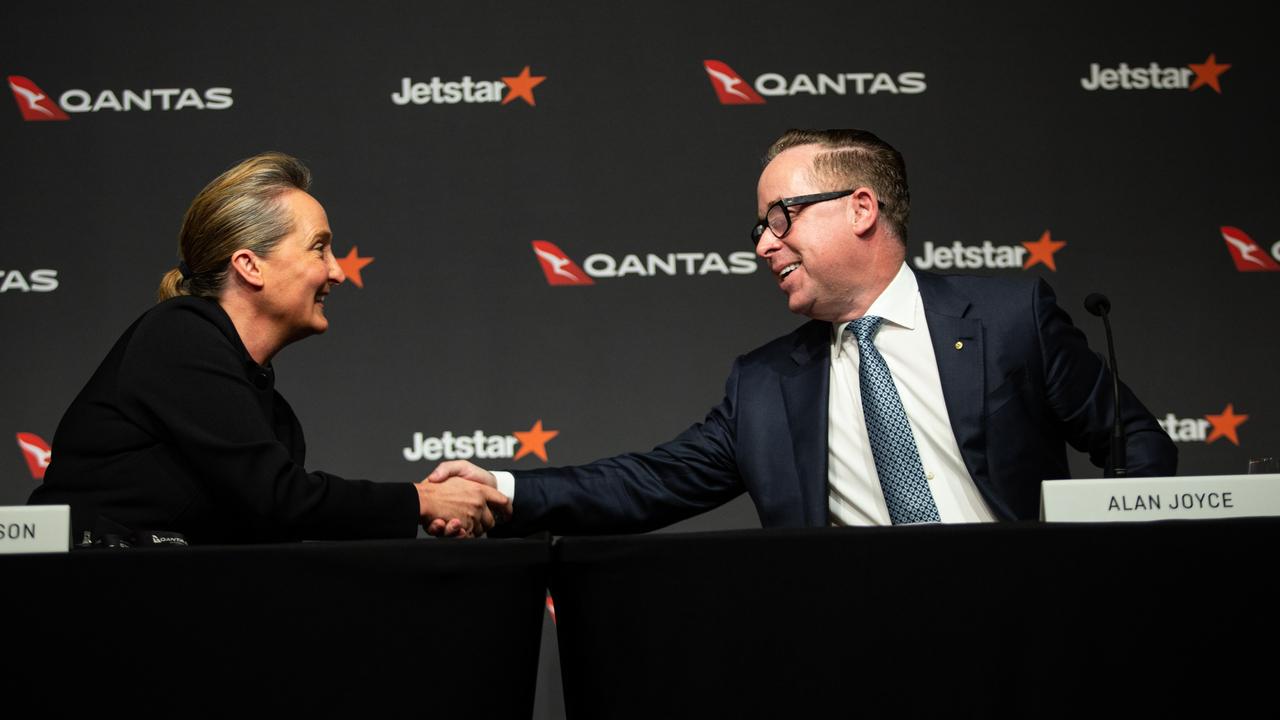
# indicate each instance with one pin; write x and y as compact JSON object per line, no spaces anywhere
{"x":1041,"y":251}
{"x":522,"y":86}
{"x":352,"y":263}
{"x":1225,"y":424}
{"x":1207,"y":73}
{"x":534,"y":440}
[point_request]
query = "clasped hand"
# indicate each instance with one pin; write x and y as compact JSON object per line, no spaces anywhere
{"x":459,"y":499}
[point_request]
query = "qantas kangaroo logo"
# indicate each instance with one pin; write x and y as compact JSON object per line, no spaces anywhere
{"x":729,"y":85}
{"x":1247,"y":254}
{"x":557,"y":266}
{"x":37,"y":453}
{"x":33,"y":102}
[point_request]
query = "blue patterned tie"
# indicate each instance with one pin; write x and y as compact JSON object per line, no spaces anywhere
{"x":894,"y":447}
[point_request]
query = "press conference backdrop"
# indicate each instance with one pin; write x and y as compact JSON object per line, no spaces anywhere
{"x":1128,"y":149}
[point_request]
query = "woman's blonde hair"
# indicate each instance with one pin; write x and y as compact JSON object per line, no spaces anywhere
{"x":239,"y":209}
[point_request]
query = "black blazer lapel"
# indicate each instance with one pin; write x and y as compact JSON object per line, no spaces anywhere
{"x":804,"y":392}
{"x":958,"y":348}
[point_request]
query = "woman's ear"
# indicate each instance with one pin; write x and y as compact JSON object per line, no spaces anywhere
{"x":248,"y":267}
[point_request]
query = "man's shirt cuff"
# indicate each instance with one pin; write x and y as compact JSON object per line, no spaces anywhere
{"x":506,"y":483}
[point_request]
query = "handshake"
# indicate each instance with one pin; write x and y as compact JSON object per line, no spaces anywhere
{"x":459,"y":499}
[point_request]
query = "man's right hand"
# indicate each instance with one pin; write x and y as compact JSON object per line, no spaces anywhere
{"x":456,"y":503}
{"x":461,"y":470}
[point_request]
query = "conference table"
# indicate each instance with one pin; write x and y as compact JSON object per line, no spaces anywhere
{"x":406,"y":628}
{"x":1000,"y":620}
{"x":1012,"y":619}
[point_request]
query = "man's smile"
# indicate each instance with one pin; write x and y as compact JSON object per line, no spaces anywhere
{"x":787,"y":270}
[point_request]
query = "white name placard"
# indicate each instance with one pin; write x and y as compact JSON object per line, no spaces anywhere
{"x":35,"y":529}
{"x":1163,"y":498}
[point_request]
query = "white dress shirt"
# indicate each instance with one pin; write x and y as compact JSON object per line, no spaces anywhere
{"x":854,"y":493}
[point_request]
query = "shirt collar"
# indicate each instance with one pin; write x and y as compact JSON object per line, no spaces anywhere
{"x":898,"y":304}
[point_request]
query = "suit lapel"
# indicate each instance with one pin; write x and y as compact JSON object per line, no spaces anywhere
{"x":958,"y":348}
{"x":804,"y":392}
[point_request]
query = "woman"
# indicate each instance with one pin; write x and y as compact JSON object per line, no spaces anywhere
{"x":181,"y":430}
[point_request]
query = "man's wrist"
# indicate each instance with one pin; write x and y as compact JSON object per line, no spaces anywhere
{"x":506,"y":483}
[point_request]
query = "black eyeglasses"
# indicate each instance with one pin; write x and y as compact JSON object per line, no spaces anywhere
{"x":778,"y":217}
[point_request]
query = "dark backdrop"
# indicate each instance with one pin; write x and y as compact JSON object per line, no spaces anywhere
{"x":628,"y":151}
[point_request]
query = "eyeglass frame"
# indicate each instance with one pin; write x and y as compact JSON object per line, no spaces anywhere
{"x":757,"y":231}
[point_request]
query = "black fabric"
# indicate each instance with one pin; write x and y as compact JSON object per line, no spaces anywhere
{"x":369,"y":629}
{"x":179,"y":429}
{"x":994,"y":620}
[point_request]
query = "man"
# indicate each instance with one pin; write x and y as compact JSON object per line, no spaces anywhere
{"x":909,"y":397}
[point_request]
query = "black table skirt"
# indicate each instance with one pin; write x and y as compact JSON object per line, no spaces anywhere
{"x":366,"y":629}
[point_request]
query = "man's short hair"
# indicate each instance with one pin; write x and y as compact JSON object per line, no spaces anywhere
{"x":856,"y":158}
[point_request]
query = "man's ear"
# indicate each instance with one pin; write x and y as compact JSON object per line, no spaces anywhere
{"x":247,"y":267}
{"x":864,"y":210}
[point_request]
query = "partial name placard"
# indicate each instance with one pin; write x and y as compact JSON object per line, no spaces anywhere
{"x":1163,"y":498}
{"x":35,"y":529}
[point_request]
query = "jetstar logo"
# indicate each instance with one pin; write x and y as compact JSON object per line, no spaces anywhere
{"x":1154,"y":76}
{"x":352,"y":264}
{"x":41,"y":281}
{"x":37,"y":453}
{"x":1247,"y":254}
{"x":732,"y":89}
{"x":36,"y":105}
{"x":561,"y":270}
{"x":989,"y":256}
{"x":1207,"y":429}
{"x":481,"y":445}
{"x":468,"y":90}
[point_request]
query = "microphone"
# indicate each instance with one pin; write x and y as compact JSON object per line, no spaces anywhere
{"x":1098,"y":304}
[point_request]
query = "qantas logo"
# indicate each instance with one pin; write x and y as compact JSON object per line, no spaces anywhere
{"x":989,"y":256}
{"x":1156,"y":77}
{"x":36,"y":105}
{"x":561,"y":270}
{"x":729,"y":85}
{"x":467,"y":90}
{"x":557,"y":266}
{"x":42,"y":280}
{"x":1207,"y":429}
{"x":37,"y":453}
{"x":33,"y":102}
{"x":732,"y":89}
{"x":1247,"y":254}
{"x":481,"y":445}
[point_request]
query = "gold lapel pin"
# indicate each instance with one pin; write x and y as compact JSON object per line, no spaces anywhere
{"x":959,"y":345}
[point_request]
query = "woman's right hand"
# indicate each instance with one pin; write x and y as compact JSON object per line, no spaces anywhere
{"x":460,"y":503}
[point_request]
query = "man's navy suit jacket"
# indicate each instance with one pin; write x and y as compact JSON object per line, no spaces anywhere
{"x":1020,"y":383}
